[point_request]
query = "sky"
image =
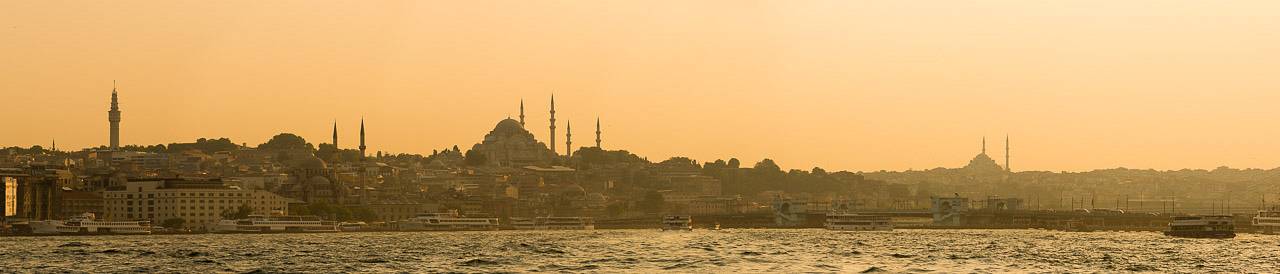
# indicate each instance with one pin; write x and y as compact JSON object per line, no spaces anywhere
{"x":845,"y":85}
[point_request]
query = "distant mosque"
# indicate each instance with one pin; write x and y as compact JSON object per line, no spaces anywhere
{"x":984,"y":164}
{"x":510,"y":144}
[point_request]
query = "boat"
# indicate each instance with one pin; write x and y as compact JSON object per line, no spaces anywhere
{"x":1267,"y":221}
{"x":564,"y":223}
{"x":858,"y":222}
{"x":677,"y":222}
{"x":88,"y":224}
{"x":523,"y":224}
{"x":275,"y":224}
{"x":352,"y":226}
{"x":449,"y":221}
{"x":1207,"y":226}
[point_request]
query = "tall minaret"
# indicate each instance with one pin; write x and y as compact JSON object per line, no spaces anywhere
{"x":335,"y":134}
{"x":362,"y":147}
{"x":1006,"y":154}
{"x":553,"y":124}
{"x":521,"y":112}
{"x":568,"y":139}
{"x":113,"y":116}
{"x":597,"y":132}
{"x":984,"y":145}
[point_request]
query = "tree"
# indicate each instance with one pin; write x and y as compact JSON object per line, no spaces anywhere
{"x":767,"y":166}
{"x":239,"y":213}
{"x":173,"y":223}
{"x":734,"y":163}
{"x":818,"y":171}
{"x":653,"y":202}
{"x":475,"y":158}
{"x":286,"y":141}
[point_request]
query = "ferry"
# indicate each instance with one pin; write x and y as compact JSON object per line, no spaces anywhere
{"x":1268,"y":220}
{"x":858,"y":222}
{"x":523,"y":224}
{"x":677,"y":222}
{"x":275,"y":224}
{"x":446,"y":222}
{"x":352,"y":226}
{"x":1207,"y":226}
{"x":87,"y":223}
{"x":564,"y":223}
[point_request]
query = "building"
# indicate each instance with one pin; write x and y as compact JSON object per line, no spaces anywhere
{"x":199,"y":202}
{"x":510,"y":145}
{"x":75,"y":202}
{"x":113,"y":116}
{"x":33,"y":193}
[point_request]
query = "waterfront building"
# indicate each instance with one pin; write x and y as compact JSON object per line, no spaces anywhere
{"x":199,"y":202}
{"x":33,"y":193}
{"x":75,"y":203}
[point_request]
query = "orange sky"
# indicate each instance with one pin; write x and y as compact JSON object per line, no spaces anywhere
{"x":857,"y":85}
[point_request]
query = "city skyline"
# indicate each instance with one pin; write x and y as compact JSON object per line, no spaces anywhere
{"x":849,"y":98}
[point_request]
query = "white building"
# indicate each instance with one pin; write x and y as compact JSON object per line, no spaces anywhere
{"x":199,"y":202}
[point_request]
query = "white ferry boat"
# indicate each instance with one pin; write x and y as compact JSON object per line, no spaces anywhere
{"x":523,"y":224}
{"x":564,"y":223}
{"x":1268,"y":220}
{"x":352,"y":226}
{"x":858,"y":222}
{"x":446,"y":222}
{"x":275,"y":224}
{"x":1208,"y":226}
{"x":87,"y":223}
{"x":677,"y":222}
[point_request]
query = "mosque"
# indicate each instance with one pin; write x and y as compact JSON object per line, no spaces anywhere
{"x":511,"y":145}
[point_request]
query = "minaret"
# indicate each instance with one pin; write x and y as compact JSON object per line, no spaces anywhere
{"x":568,"y":139}
{"x":335,"y":134}
{"x":553,"y":124}
{"x":113,"y":116}
{"x":597,"y":132}
{"x":55,"y":144}
{"x":362,"y":147}
{"x":1006,"y":154}
{"x":984,"y":145}
{"x":522,"y":112}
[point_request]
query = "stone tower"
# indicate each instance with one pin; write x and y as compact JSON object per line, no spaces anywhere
{"x":113,"y":116}
{"x":598,"y":132}
{"x":568,"y":139}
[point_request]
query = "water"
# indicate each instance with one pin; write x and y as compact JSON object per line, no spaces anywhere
{"x":747,"y":251}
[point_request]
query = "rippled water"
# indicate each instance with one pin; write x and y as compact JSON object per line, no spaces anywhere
{"x":807,"y":250}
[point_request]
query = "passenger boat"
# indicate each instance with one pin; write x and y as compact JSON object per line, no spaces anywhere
{"x":1208,"y":226}
{"x":446,"y":222}
{"x":87,"y":223}
{"x":677,"y":222}
{"x":1268,"y":220}
{"x":553,"y":223}
{"x":275,"y":224}
{"x":564,"y":223}
{"x":352,"y":226}
{"x":858,"y":222}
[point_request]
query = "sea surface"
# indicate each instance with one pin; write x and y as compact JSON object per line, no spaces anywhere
{"x":647,"y":251}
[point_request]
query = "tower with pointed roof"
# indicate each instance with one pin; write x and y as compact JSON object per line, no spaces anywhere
{"x":553,"y":124}
{"x":598,"y":132}
{"x":568,"y":139}
{"x":113,"y":116}
{"x":335,"y":134}
{"x":522,"y":112}
{"x":1006,"y":154}
{"x":362,"y":147}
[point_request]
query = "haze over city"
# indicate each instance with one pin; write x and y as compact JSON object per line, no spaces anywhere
{"x":1078,"y":85}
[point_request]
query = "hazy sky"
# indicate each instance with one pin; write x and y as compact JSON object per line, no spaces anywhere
{"x":857,"y":85}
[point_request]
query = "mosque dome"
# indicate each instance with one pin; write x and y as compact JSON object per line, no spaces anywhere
{"x":318,"y":180}
{"x":311,"y":163}
{"x":508,"y":127}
